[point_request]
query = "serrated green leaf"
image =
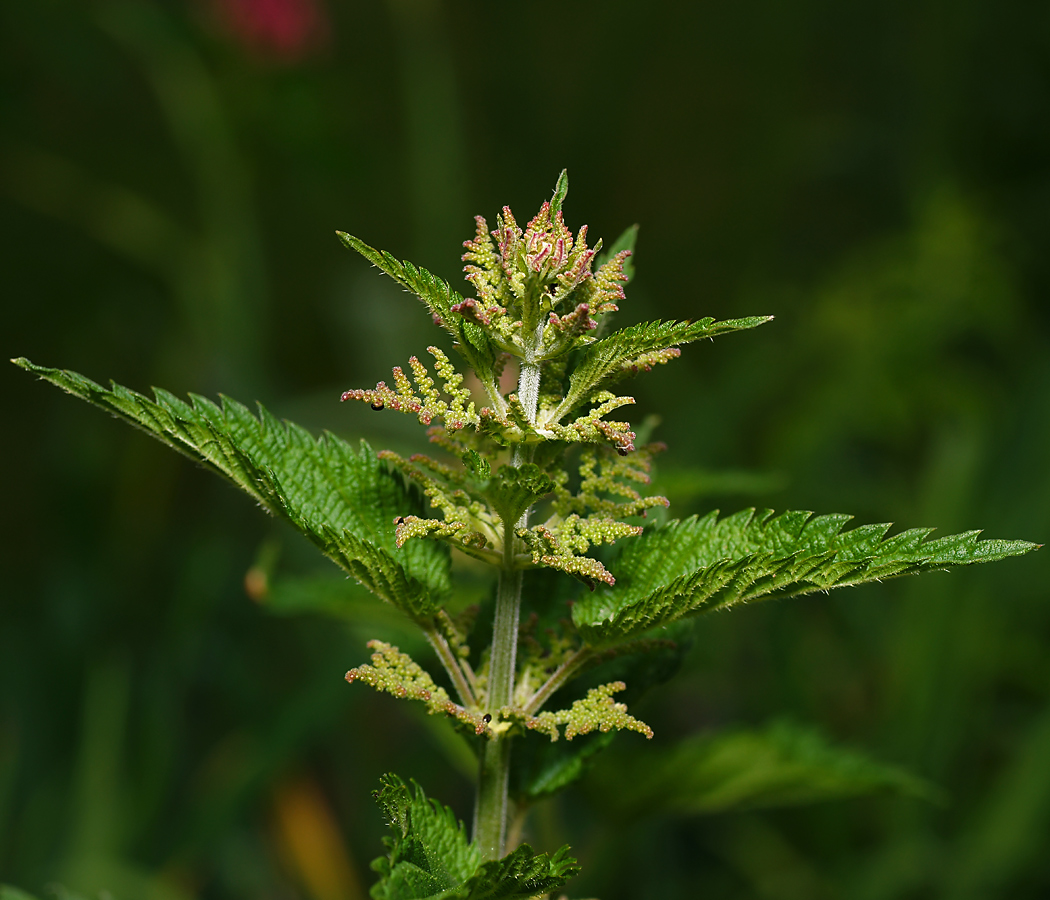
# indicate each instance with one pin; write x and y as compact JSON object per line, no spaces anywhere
{"x":612,"y":357}
{"x":698,"y":565}
{"x":430,"y":855}
{"x":472,"y":342}
{"x":646,"y":664}
{"x":521,"y":875}
{"x":343,"y":500}
{"x":780,"y":765}
{"x":476,"y":464}
{"x":431,"y":859}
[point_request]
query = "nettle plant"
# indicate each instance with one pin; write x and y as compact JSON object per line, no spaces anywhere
{"x":530,"y":481}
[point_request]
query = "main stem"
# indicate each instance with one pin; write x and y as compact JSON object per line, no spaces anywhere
{"x":490,"y":817}
{"x":490,"y":825}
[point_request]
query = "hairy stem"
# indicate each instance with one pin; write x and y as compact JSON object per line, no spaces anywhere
{"x":452,"y":666}
{"x":490,"y":818}
{"x":505,"y":631}
{"x":562,"y":674}
{"x":495,"y":397}
{"x":490,"y":814}
{"x":529,"y":378}
{"x":472,"y":679}
{"x":529,"y":389}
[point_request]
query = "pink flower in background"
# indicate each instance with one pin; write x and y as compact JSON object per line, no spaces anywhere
{"x":285,"y":30}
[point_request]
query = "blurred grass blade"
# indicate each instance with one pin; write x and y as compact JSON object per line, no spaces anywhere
{"x":7,"y":892}
{"x":780,"y":765}
{"x":683,"y":486}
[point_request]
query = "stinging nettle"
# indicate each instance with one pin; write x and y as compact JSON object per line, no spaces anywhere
{"x":530,"y":481}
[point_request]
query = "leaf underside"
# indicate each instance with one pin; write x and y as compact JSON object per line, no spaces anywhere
{"x":702,"y":564}
{"x":344,"y":500}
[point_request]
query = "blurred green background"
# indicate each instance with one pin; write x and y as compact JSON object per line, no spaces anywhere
{"x":877,"y":176}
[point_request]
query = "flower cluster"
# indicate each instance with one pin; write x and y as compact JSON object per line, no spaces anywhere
{"x":540,"y":294}
{"x":523,"y":279}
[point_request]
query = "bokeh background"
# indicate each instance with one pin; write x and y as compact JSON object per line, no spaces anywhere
{"x":171,"y":175}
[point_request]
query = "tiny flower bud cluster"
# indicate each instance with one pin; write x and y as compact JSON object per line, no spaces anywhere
{"x":605,"y":485}
{"x":556,"y":544}
{"x":592,"y":427}
{"x":595,"y":712}
{"x":523,"y":277}
{"x":394,"y":672}
{"x":539,"y":294}
{"x":427,"y":403}
{"x":468,"y":521}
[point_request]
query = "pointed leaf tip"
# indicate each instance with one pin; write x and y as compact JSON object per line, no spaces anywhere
{"x":561,"y":191}
{"x":341,"y":498}
{"x":698,"y":565}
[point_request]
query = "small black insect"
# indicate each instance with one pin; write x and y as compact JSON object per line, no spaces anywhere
{"x":486,"y":718}
{"x":377,"y":405}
